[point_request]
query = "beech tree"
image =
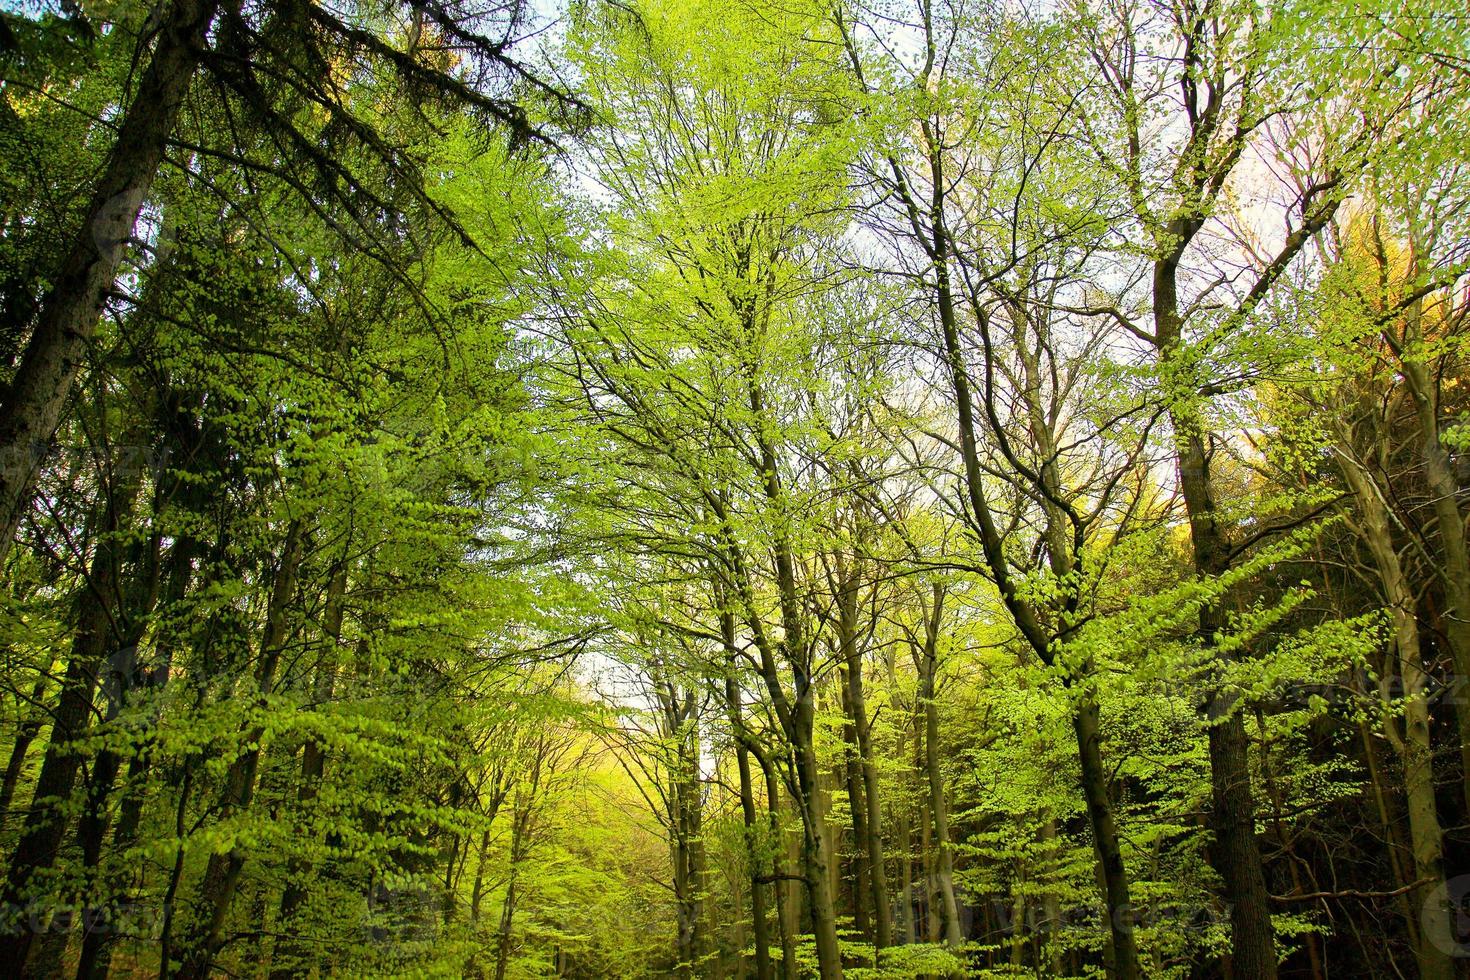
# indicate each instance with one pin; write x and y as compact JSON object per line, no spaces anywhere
{"x":718,"y":490}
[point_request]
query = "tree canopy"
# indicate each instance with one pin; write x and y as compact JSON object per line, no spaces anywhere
{"x":677,"y":488}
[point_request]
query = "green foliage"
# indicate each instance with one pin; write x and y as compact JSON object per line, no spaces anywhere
{"x":466,"y":555}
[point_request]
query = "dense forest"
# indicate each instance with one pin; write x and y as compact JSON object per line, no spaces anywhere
{"x":735,"y":488}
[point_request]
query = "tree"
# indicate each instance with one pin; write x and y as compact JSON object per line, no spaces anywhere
{"x":285,"y":48}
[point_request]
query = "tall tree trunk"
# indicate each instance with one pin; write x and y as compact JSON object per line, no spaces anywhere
{"x":1236,"y":852}
{"x":870,"y":838}
{"x":291,"y":953}
{"x":798,"y":715}
{"x":689,"y":862}
{"x":906,"y":878}
{"x":764,"y":968}
{"x":97,"y":946}
{"x":927,"y":661}
{"x":1028,"y":621}
{"x":1052,"y":903}
{"x":1444,"y":490}
{"x":123,"y":678}
{"x":949,"y":909}
{"x":860,"y":878}
{"x":477,"y":894}
{"x":222,"y":875}
{"x":69,"y":312}
{"x":904,"y":831}
{"x":176,"y":874}
{"x":503,"y":934}
{"x":782,"y":883}
{"x":98,"y":613}
{"x":519,"y":826}
{"x":1437,"y":936}
{"x":1285,"y":840}
{"x":1085,"y":724}
{"x":933,"y":923}
{"x":815,"y":858}
{"x":1392,"y":829}
{"x":760,"y":923}
{"x":683,"y":807}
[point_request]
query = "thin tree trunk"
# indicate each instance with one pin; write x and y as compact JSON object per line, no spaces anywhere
{"x":871,"y":836}
{"x":1052,"y":903}
{"x":1392,"y":835}
{"x":949,"y":909}
{"x":943,"y":854}
{"x":689,"y":864}
{"x":503,"y":936}
{"x":222,"y":876}
{"x":176,"y":875}
{"x":831,"y":832}
{"x":764,"y":969}
{"x":782,"y":885}
{"x":1284,"y":840}
{"x":519,"y":825}
{"x":25,"y":734}
{"x":45,"y":826}
{"x":477,"y":894}
{"x":859,"y":879}
{"x":904,"y":830}
{"x":906,"y":878}
{"x":313,"y":765}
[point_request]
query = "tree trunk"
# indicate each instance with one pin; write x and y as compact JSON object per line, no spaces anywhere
{"x":68,"y":316}
{"x":519,"y":826}
{"x":799,"y":714}
{"x":1029,"y":623}
{"x":1052,"y":903}
{"x":927,"y":662}
{"x":1285,"y":841}
{"x":138,"y":604}
{"x":503,"y":934}
{"x":949,"y":909}
{"x":815,"y":859}
{"x":222,"y":876}
{"x":782,"y":885}
{"x":764,"y":969}
{"x":1437,"y":937}
{"x":905,"y":832}
{"x":689,"y":864}
{"x":292,"y":954}
{"x":477,"y":894}
{"x":871,"y":836}
{"x":1105,"y":839}
{"x":1444,"y":492}
{"x":25,"y":734}
{"x":760,"y":925}
{"x":98,"y":613}
{"x":1236,"y":852}
{"x":97,"y":945}
{"x":859,"y":879}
